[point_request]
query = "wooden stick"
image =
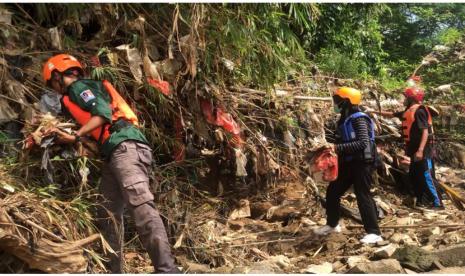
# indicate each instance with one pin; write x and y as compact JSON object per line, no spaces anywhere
{"x":312,"y":98}
{"x":28,"y":16}
{"x":409,"y":226}
{"x":318,"y":251}
{"x":85,"y":241}
{"x":262,"y":242}
{"x":45,"y":231}
{"x":221,"y":246}
{"x":296,"y":97}
{"x":38,"y":227}
{"x":453,"y":192}
{"x":247,"y":90}
{"x":18,"y":102}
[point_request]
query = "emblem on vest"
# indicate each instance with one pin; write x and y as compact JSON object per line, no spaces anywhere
{"x":87,"y":95}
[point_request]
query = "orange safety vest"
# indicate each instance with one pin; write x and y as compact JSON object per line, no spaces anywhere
{"x":119,"y":110}
{"x":409,"y":117}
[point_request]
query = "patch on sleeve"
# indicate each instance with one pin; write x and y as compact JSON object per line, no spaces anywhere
{"x":87,"y":95}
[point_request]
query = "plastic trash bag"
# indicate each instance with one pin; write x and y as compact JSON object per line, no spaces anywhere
{"x":325,"y":162}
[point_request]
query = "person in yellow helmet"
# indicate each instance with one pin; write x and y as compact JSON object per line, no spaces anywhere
{"x":356,"y":149}
{"x":105,"y":116}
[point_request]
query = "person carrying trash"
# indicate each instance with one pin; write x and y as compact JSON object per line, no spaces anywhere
{"x":418,"y":135}
{"x":104,"y":115}
{"x":356,"y":150}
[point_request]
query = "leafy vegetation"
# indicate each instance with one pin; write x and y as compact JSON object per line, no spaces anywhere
{"x":263,"y":44}
{"x":412,"y":30}
{"x":203,"y":49}
{"x":340,"y":65}
{"x":260,"y":39}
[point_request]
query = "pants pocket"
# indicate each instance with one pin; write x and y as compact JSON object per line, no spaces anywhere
{"x":145,"y":156}
{"x":138,"y":193}
{"x":120,"y":152}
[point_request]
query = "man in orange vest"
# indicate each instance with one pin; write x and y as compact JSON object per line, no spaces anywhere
{"x":105,"y":116}
{"x":417,"y":131}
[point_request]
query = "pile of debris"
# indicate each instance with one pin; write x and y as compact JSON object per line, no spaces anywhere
{"x":47,"y":234}
{"x":281,"y":221}
{"x":240,"y":172}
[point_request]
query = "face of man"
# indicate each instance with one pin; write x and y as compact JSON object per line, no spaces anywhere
{"x":407,"y":101}
{"x":68,"y":80}
{"x":62,"y":87}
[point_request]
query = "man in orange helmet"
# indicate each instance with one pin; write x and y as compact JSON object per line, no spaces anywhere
{"x":104,"y":115}
{"x":417,"y":131}
{"x":356,"y":150}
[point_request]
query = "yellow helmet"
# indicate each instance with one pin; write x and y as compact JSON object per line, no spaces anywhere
{"x":352,"y":94}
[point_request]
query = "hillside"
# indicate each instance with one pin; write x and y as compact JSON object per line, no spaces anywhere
{"x":235,"y":100}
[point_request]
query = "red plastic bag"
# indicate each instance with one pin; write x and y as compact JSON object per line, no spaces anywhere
{"x":162,"y":86}
{"x":325,"y":162}
{"x":29,"y":142}
{"x":217,"y":116}
{"x":227,"y":122}
{"x":207,"y":110}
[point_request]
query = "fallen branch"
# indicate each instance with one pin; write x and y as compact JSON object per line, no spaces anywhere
{"x":227,"y":245}
{"x":48,"y":256}
{"x":410,"y":226}
{"x":454,"y":196}
{"x":38,"y":227}
{"x":247,"y":90}
{"x":85,"y":241}
{"x":310,"y":98}
{"x":262,"y":242}
{"x":281,"y":94}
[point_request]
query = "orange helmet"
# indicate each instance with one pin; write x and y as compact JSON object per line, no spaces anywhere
{"x":351,"y":94}
{"x":61,"y":63}
{"x":415,"y":93}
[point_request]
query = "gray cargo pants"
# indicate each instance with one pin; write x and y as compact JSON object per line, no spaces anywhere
{"x":125,"y":182}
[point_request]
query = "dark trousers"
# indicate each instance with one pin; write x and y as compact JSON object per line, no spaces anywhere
{"x":125,"y":183}
{"x":422,"y":178}
{"x":359,"y":175}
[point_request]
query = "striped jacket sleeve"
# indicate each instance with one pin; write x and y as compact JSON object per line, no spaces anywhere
{"x":362,"y":138}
